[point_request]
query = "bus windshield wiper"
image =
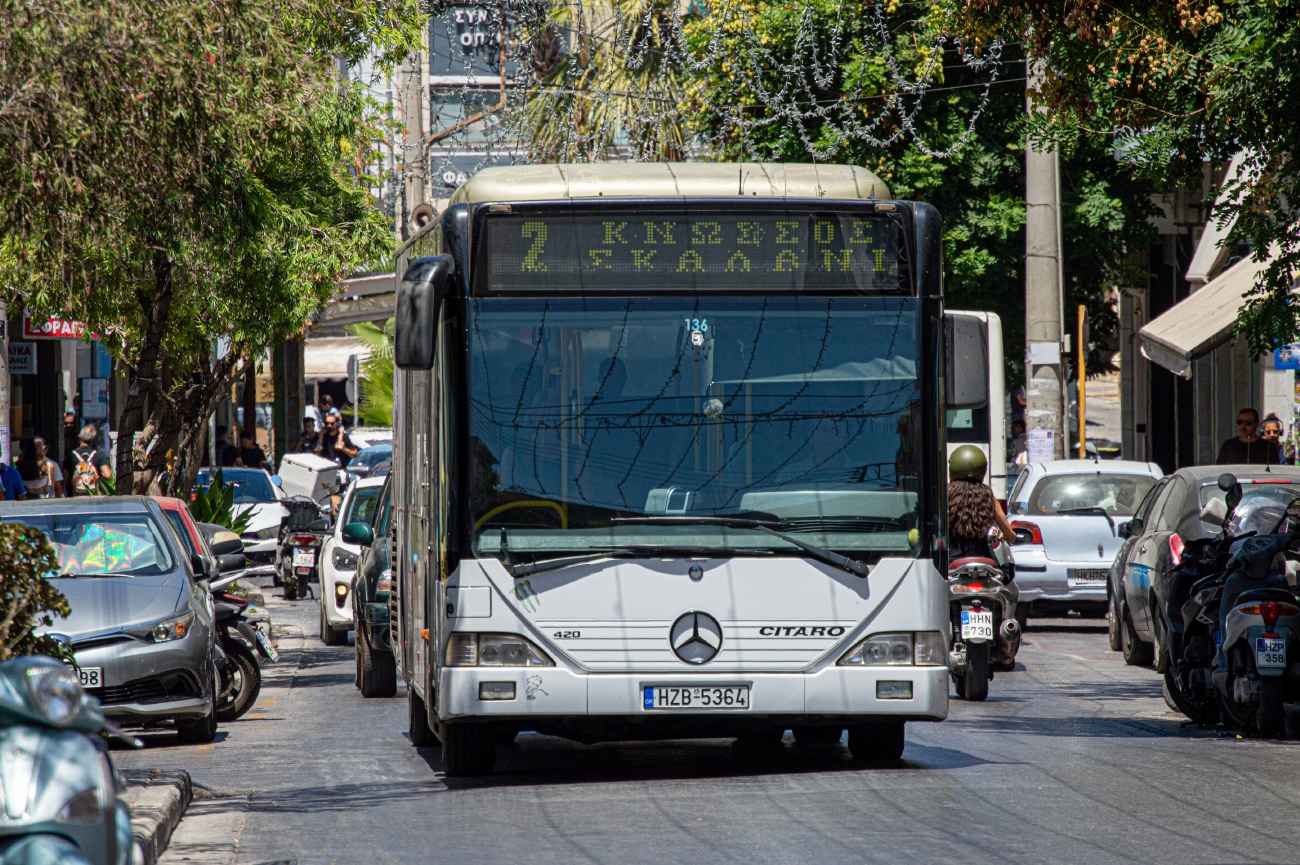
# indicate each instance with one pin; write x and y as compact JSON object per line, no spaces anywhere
{"x":821,"y":554}
{"x":526,"y":569}
{"x":1100,"y":512}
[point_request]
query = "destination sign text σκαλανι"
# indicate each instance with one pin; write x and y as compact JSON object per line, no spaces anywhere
{"x":618,"y":251}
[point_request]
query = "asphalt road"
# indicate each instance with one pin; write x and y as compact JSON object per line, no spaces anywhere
{"x":1074,"y":758}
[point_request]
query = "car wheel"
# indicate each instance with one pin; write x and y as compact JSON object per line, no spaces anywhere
{"x":468,"y":749}
{"x":1137,"y":653}
{"x":1112,"y":625}
{"x":328,"y":635}
{"x":378,"y":670}
{"x":881,"y":742}
{"x":418,"y":717}
{"x":203,"y":731}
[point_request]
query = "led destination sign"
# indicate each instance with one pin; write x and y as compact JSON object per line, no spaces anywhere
{"x":604,"y":251}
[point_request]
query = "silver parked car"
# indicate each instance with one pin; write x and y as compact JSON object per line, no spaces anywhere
{"x":141,"y":622}
{"x":1066,"y":516}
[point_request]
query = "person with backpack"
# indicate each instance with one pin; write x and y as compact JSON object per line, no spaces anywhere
{"x":90,"y":464}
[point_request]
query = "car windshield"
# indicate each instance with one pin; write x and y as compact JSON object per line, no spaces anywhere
{"x":252,"y":486}
{"x":1116,"y":494}
{"x":103,"y":545}
{"x":361,"y":506}
{"x":794,"y":408}
{"x":374,"y":455}
{"x":1260,"y":510}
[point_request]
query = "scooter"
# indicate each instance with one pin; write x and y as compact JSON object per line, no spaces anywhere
{"x":986,"y":635}
{"x":61,"y":802}
{"x":239,"y":642}
{"x":301,"y":535}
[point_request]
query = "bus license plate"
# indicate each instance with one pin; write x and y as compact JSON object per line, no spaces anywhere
{"x":304,"y":558}
{"x":680,"y":697}
{"x":1270,"y":653}
{"x":91,"y":677}
{"x":976,"y":624}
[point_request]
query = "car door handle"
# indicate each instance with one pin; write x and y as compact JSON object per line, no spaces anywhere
{"x":1142,"y":549}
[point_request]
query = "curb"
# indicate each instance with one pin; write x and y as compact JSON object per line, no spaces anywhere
{"x":158,"y":799}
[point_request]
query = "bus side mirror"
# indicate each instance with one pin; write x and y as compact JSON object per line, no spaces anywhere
{"x":967,"y":372}
{"x":424,"y":285}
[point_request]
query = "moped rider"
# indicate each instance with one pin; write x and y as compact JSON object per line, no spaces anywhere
{"x":972,"y":507}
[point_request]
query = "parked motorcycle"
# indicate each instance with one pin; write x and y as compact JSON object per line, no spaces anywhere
{"x":301,"y":534}
{"x":985,"y":633}
{"x":239,"y":642}
{"x":1229,"y":643}
{"x":61,"y":802}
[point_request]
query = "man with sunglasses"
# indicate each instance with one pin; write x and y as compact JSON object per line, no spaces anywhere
{"x":1247,"y":448}
{"x":334,"y":442}
{"x":1270,"y":429}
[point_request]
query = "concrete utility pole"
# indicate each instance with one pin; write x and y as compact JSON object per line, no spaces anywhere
{"x":1044,"y":383}
{"x":410,"y":84}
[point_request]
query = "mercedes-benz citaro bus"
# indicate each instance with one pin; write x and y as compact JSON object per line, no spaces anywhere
{"x":670,"y":459}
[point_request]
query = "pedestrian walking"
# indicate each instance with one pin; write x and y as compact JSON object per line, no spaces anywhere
{"x":250,"y":455}
{"x":1270,"y":429}
{"x":90,"y":465}
{"x":40,"y":475}
{"x":12,"y":482}
{"x":225,"y":452}
{"x":1247,"y":448}
{"x":310,"y":438}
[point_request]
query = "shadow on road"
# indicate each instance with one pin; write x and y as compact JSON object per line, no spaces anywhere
{"x":1072,"y":727}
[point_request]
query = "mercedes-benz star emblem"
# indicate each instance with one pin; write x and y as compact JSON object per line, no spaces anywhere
{"x":696,"y":638}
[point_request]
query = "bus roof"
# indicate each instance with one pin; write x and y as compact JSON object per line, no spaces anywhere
{"x":553,"y":182}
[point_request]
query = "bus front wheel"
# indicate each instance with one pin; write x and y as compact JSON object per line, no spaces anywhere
{"x":881,"y":742}
{"x":468,"y":749}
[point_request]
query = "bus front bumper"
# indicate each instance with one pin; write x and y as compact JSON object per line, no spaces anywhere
{"x":848,"y":692}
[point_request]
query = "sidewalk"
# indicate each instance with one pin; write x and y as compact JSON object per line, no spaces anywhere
{"x":158,"y":800}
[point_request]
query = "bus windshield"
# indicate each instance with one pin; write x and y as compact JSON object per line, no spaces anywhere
{"x":799,"y":409}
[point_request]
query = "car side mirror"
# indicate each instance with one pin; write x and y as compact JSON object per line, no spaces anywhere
{"x":359,"y":533}
{"x":202,"y":567}
{"x":228,"y":547}
{"x":1215,"y":512}
{"x":967,"y":369}
{"x":321,"y":525}
{"x":275,"y":479}
{"x":231,"y":562}
{"x":1135,"y":527}
{"x":1122,"y":530}
{"x":1227,"y":482}
{"x":424,"y":285}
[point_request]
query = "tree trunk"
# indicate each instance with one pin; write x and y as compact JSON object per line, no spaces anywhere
{"x":157,"y":306}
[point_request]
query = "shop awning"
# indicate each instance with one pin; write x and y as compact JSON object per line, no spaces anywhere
{"x":1202,"y":322}
{"x":326,"y":358}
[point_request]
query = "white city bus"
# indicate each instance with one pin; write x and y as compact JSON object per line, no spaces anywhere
{"x":670,"y":459}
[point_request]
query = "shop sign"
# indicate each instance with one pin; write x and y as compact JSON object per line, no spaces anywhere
{"x":22,"y":358}
{"x":53,"y":327}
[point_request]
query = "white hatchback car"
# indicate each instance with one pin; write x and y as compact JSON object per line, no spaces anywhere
{"x":1065,"y":515}
{"x":338,"y":561}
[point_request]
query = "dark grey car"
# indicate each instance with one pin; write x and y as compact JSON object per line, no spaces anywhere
{"x":141,"y":622}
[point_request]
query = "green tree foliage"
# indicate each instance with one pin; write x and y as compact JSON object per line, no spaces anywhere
{"x":177,"y":174}
{"x":616,"y":84}
{"x":376,"y":407}
{"x":216,"y":505}
{"x":1177,"y":84}
{"x":27,"y":599}
{"x":979,"y":189}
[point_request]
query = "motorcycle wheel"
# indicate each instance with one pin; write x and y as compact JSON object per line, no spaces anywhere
{"x":1271,"y":717}
{"x":241,"y":681}
{"x":1177,"y":700}
{"x":976,"y":677}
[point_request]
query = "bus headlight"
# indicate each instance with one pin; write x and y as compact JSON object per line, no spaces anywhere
{"x":494,"y":650}
{"x":891,"y":650}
